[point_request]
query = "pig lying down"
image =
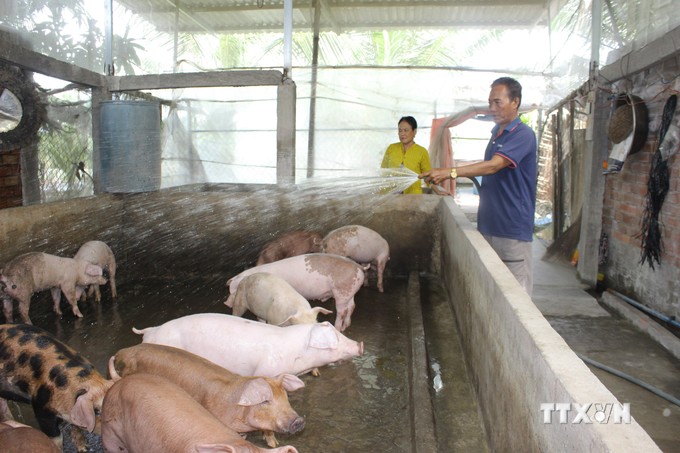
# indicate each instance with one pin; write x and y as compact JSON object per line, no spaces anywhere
{"x":361,"y":244}
{"x":98,"y":253}
{"x":243,"y":404}
{"x":290,"y":244}
{"x":145,"y":413}
{"x":58,"y":382}
{"x":316,"y":276}
{"x":16,"y":437}
{"x":252,"y":348}
{"x":273,"y":300}
{"x":33,"y":272}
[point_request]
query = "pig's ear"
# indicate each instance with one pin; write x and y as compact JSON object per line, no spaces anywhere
{"x":82,"y":413}
{"x":93,"y":270}
{"x":322,"y":336}
{"x":322,"y":310}
{"x":215,"y":448}
{"x":256,"y":391}
{"x":289,"y":321}
{"x":290,"y":382}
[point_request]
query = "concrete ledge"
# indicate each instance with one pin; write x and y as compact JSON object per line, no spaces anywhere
{"x":517,"y":360}
{"x":643,"y":322}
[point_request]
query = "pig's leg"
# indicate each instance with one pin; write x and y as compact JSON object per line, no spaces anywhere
{"x":381,"y":269}
{"x":97,"y":294}
{"x":80,"y":293}
{"x":112,"y":283}
{"x":8,"y":309}
{"x":270,"y":438}
{"x":70,"y":294}
{"x":22,"y":305}
{"x":56,"y":298}
{"x":344,"y":316}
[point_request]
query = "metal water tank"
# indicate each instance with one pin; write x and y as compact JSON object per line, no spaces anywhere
{"x":130,"y":146}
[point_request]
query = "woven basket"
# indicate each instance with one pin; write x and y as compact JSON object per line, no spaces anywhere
{"x":621,"y":123}
{"x":629,"y":117}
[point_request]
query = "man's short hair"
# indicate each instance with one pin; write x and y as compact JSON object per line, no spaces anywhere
{"x":513,"y":86}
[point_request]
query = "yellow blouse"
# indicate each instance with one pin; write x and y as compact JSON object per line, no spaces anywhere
{"x":415,"y":158}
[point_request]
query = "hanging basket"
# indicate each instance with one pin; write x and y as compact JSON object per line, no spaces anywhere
{"x":629,"y":117}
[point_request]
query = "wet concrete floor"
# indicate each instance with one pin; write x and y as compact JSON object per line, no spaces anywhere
{"x":361,"y":405}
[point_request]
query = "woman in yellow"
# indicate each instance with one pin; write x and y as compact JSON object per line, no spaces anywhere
{"x":406,"y":153}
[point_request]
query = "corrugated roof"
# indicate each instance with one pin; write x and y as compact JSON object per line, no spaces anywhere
{"x":239,"y":16}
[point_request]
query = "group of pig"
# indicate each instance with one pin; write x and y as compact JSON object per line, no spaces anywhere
{"x":36,"y":271}
{"x":243,"y":381}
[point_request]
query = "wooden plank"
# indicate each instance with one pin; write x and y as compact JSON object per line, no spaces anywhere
{"x":13,"y":53}
{"x":234,"y":78}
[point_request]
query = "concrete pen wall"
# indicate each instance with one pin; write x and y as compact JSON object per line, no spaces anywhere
{"x":517,"y":360}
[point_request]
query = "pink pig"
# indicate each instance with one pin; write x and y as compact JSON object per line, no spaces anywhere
{"x":252,"y":348}
{"x":16,"y":437}
{"x":242,"y":403}
{"x":316,"y":276}
{"x":97,"y":252}
{"x":33,"y":272}
{"x":147,"y":413}
{"x":290,"y":244}
{"x":361,"y":244}
{"x":273,"y":300}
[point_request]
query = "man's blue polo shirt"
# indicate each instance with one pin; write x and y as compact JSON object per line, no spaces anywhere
{"x":508,"y":198}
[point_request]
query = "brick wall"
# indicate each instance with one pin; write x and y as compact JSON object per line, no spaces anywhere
{"x":624,"y":207}
{"x":10,"y":179}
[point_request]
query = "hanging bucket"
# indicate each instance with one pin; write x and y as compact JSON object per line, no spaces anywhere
{"x":130,"y":146}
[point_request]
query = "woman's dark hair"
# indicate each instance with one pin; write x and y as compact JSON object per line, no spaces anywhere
{"x":513,"y":86}
{"x":410,"y":120}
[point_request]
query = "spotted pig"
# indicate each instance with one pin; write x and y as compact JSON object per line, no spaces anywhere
{"x":59,"y":383}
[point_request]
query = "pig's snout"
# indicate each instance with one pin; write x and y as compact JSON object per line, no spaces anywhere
{"x":297,"y":425}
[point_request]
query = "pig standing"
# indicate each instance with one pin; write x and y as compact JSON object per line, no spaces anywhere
{"x":16,"y":437}
{"x":241,"y":403}
{"x":252,"y":348}
{"x":290,"y":244}
{"x":361,"y":244}
{"x":145,"y":413}
{"x":97,"y":252}
{"x":35,"y":271}
{"x":273,"y":300}
{"x":316,"y":276}
{"x":57,"y":381}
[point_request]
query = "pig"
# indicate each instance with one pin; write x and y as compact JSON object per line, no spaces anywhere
{"x":290,"y":244}
{"x":361,"y":244}
{"x":35,"y":271}
{"x":273,"y":300}
{"x":16,"y":437}
{"x":147,"y":413}
{"x":97,"y":252}
{"x":56,"y":380}
{"x":252,"y":348}
{"x":317,"y":276}
{"x":242,"y":403}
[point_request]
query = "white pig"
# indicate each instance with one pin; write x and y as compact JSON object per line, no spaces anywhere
{"x":35,"y":271}
{"x":361,"y":244}
{"x":145,"y":413}
{"x":243,"y":403}
{"x":252,"y":348}
{"x":316,"y":276}
{"x":273,"y":300}
{"x":97,"y":252}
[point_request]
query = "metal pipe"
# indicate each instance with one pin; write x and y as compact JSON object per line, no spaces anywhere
{"x":647,"y":310}
{"x":287,"y":37}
